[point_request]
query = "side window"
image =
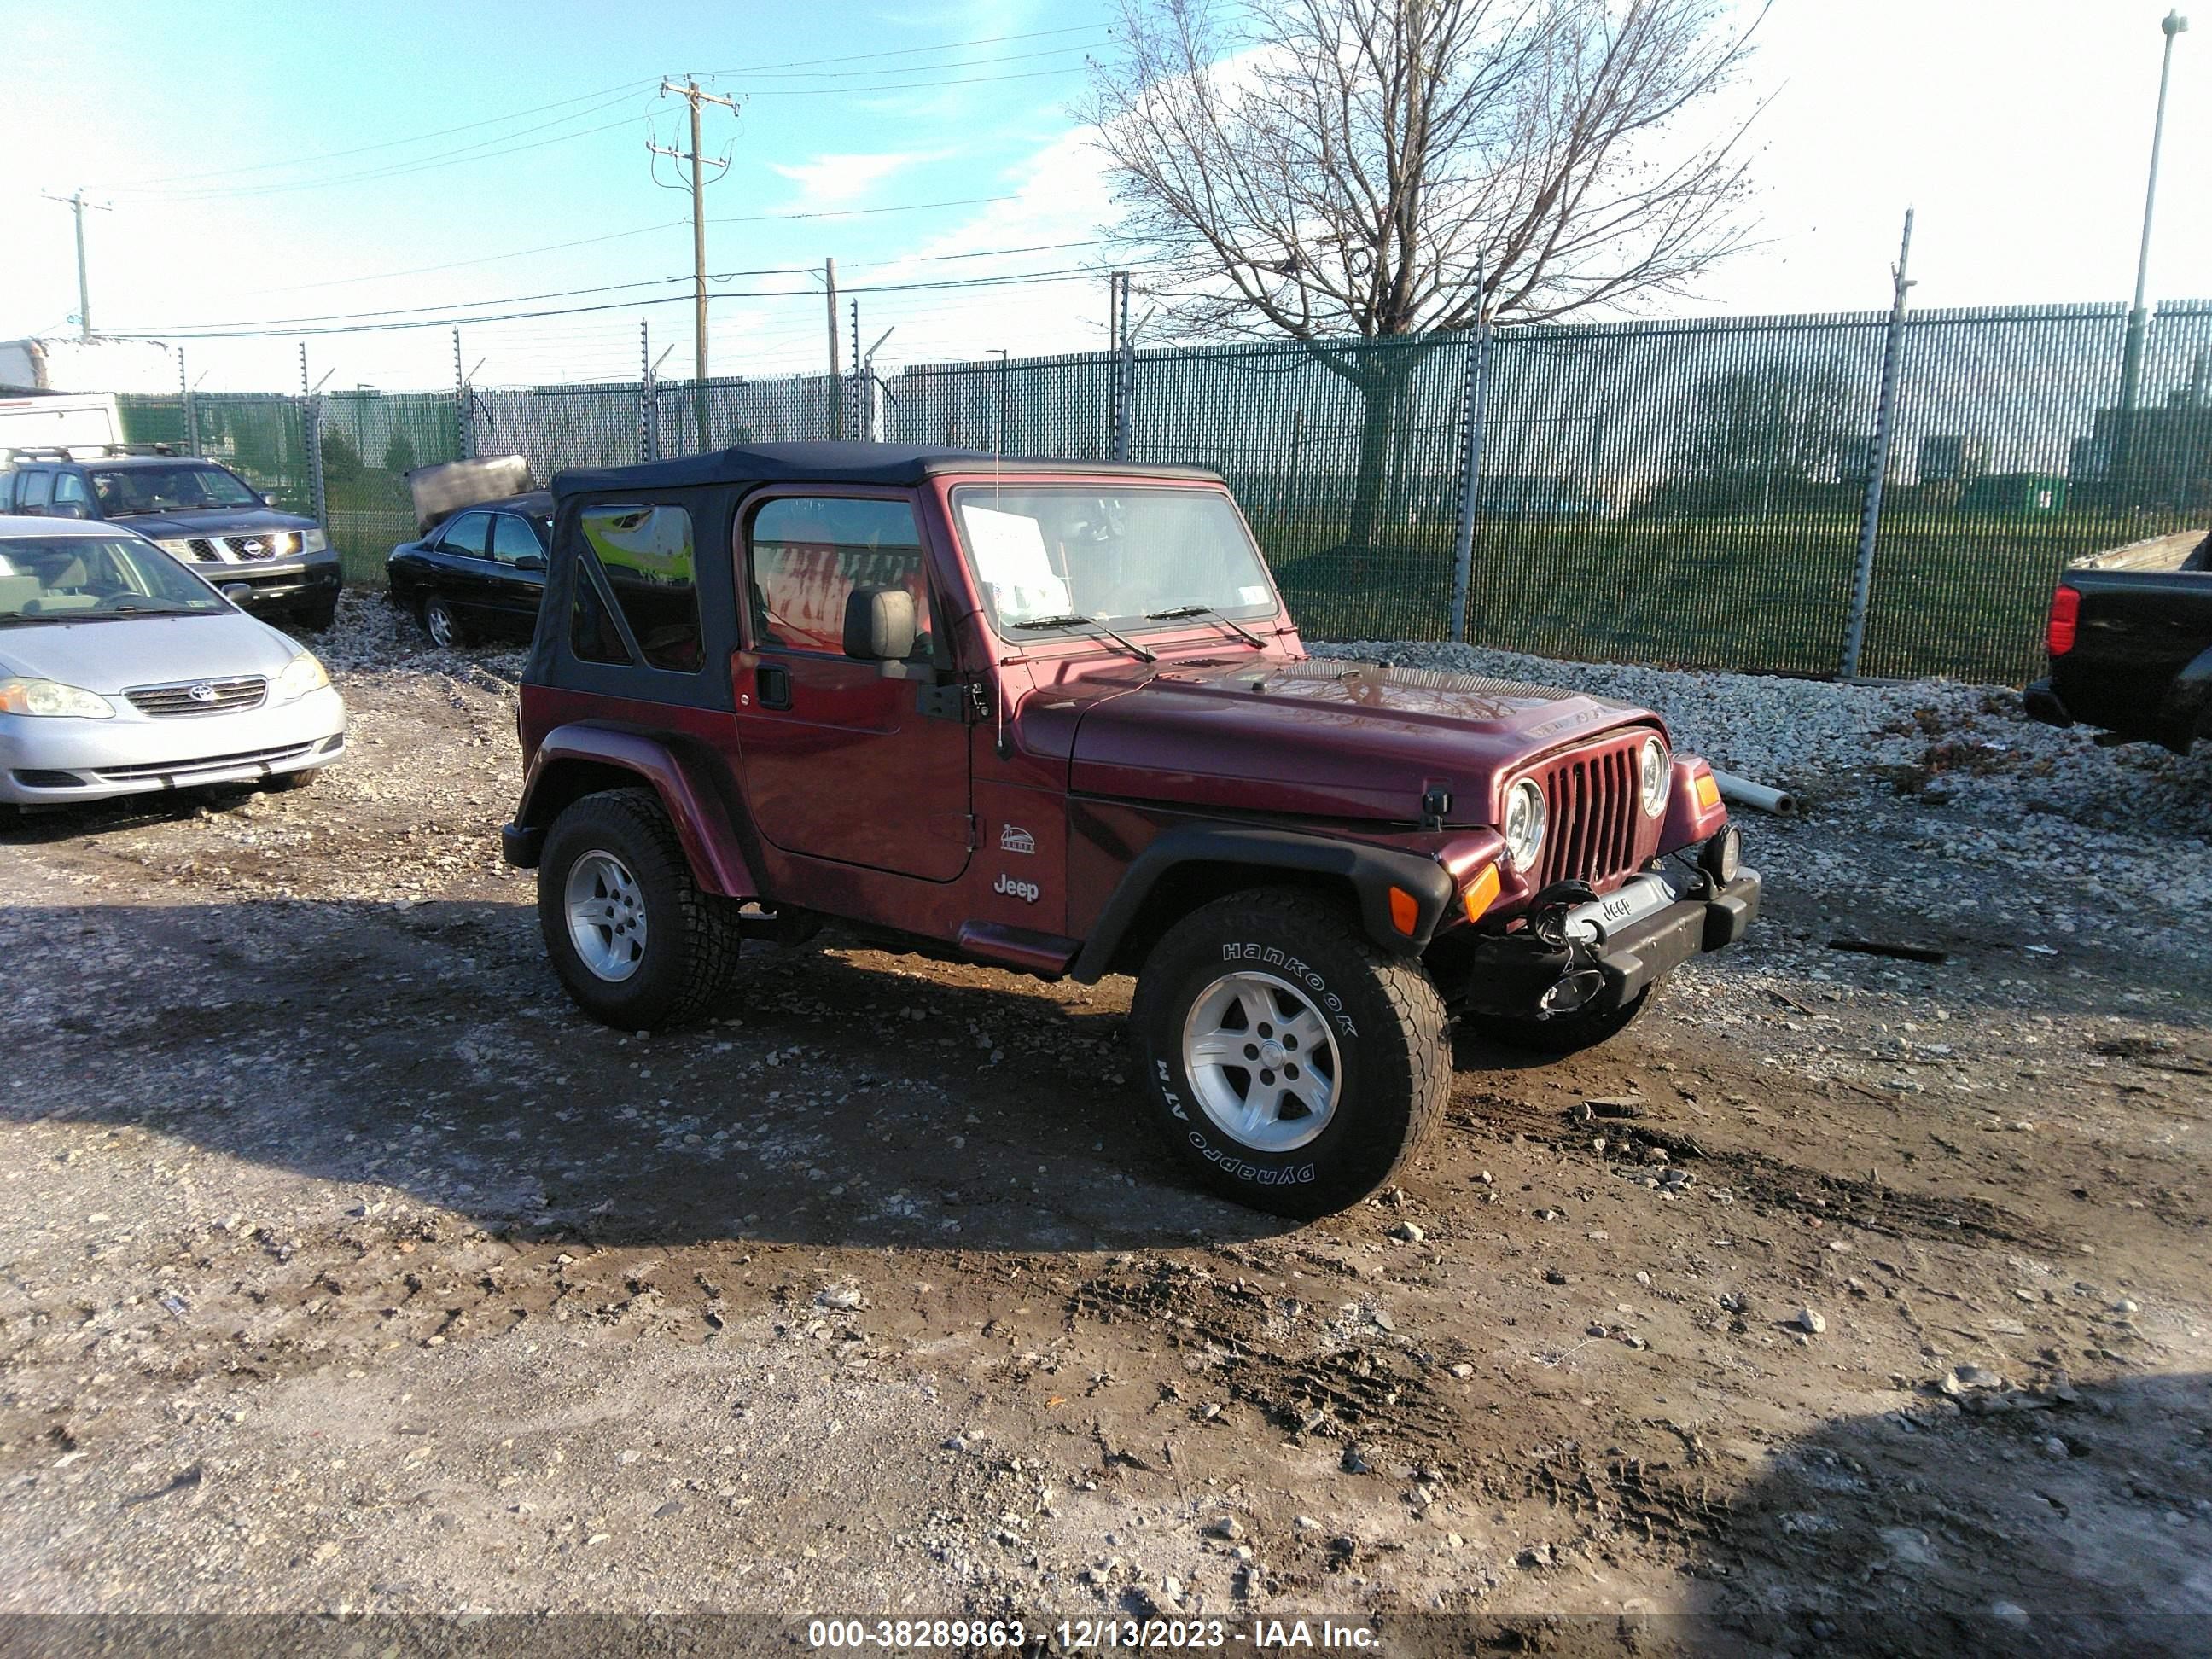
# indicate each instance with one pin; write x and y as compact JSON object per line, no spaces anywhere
{"x":807,"y":554}
{"x":592,"y":635}
{"x":467,"y":535}
{"x":70,"y":487}
{"x":647,"y":557}
{"x":513,"y":538}
{"x":38,"y":486}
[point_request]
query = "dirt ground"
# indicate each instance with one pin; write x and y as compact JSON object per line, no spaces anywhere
{"x":1843,"y":1305}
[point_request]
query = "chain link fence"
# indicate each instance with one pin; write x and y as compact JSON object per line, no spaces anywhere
{"x":1683,"y":493}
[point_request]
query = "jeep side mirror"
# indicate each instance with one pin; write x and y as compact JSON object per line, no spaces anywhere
{"x":879,"y":624}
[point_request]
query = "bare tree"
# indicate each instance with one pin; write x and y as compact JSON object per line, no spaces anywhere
{"x":1375,"y":168}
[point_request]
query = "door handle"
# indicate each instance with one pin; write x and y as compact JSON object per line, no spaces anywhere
{"x":773,"y":686}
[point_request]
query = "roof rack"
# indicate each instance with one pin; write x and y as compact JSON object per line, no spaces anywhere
{"x":78,"y":451}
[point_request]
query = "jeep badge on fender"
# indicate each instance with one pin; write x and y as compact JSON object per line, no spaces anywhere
{"x":1311,"y":867}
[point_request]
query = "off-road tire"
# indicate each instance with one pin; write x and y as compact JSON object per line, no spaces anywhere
{"x":1565,"y":1034}
{"x":456,"y":636}
{"x":1387,"y":1022}
{"x":691,"y":937}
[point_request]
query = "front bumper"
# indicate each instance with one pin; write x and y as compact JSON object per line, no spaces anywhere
{"x":261,"y":586}
{"x":45,"y":761}
{"x":1508,"y":974}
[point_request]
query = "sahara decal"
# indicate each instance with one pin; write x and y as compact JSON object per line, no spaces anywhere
{"x":1012,"y":838}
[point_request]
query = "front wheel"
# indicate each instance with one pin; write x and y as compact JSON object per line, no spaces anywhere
{"x":633,"y":937}
{"x":440,"y":622}
{"x":1291,"y":1065}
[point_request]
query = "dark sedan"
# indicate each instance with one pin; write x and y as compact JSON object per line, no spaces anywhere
{"x":480,"y":574}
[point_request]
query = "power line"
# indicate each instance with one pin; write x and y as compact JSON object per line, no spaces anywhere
{"x":642,"y":230}
{"x":910,"y":52}
{"x":455,"y":158}
{"x":639,"y":84}
{"x":388,"y":144}
{"x":1017,"y":279}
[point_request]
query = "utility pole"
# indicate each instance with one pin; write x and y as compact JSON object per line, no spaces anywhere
{"x":836,"y":403}
{"x":868,"y":378}
{"x":2131,"y":362}
{"x":1000,"y":352}
{"x":860,"y":433}
{"x":76,"y":204}
{"x":1885,"y":425}
{"x":697,"y":181}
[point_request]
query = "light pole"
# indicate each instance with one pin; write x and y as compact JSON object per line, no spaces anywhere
{"x":2131,"y":360}
{"x":1000,"y":352}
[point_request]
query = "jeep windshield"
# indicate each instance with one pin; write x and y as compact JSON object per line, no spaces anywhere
{"x":1074,"y":558}
{"x":124,"y":491}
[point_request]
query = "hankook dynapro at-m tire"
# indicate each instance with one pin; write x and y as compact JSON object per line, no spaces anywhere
{"x":1289,"y":1064}
{"x":635,"y":941}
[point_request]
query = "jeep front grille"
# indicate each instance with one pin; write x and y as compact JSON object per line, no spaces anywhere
{"x":213,"y":696}
{"x":1597,"y":831}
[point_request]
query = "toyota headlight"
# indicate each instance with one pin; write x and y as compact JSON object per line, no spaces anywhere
{"x":1525,"y":815}
{"x":301,"y":675}
{"x":315,"y":541}
{"x":1652,"y":772}
{"x":26,"y":696}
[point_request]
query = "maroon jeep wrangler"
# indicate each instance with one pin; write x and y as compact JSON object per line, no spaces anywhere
{"x":1052,"y":716}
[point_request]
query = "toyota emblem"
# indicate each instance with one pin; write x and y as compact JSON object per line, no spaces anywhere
{"x":202,"y":693}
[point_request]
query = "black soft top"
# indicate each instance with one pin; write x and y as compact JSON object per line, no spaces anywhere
{"x":835,"y":462}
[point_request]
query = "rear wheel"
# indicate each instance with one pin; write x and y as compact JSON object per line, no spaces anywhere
{"x":1289,"y":1064}
{"x":1562,"y":1034}
{"x":440,"y":622}
{"x":633,"y":937}
{"x":317,"y":617}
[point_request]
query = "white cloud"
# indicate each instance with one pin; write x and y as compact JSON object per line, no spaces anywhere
{"x":829,"y":179}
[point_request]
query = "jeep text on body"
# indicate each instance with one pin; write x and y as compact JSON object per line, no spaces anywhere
{"x":1053,"y":716}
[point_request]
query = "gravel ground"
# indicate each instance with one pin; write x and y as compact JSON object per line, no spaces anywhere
{"x":1843,"y":1303}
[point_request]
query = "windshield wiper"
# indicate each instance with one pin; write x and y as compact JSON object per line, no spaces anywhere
{"x":1182,"y":610}
{"x":1074,"y":620}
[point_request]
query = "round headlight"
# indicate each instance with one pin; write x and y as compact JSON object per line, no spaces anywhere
{"x":1524,"y":823}
{"x":1654,"y":771}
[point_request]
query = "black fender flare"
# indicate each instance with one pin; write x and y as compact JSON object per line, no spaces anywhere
{"x":1372,"y":872}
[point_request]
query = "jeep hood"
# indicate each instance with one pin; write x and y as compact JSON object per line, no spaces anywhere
{"x":1328,"y":737}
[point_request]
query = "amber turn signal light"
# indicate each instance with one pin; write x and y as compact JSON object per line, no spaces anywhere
{"x":1481,"y":894}
{"x":1709,"y":792}
{"x":1405,"y":911}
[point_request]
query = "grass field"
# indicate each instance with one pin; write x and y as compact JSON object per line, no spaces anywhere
{"x":1953,"y":594}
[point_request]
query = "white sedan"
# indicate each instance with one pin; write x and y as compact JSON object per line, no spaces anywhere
{"x":122,"y":672}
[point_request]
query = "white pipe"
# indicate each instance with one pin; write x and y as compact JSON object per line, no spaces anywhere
{"x":1757,"y":796}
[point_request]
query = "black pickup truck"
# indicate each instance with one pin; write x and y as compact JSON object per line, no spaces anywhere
{"x":2131,"y":642}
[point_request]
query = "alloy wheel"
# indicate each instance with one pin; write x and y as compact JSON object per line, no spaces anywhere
{"x":606,"y":916}
{"x":1262,"y":1061}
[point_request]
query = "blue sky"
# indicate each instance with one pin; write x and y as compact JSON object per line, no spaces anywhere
{"x":2019,"y":130}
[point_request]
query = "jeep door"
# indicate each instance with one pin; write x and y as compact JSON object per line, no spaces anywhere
{"x":863,"y":762}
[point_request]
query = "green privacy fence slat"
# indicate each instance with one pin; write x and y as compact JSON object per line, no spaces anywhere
{"x":1683,"y":493}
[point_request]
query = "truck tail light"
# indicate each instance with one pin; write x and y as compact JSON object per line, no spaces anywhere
{"x":2065,"y":618}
